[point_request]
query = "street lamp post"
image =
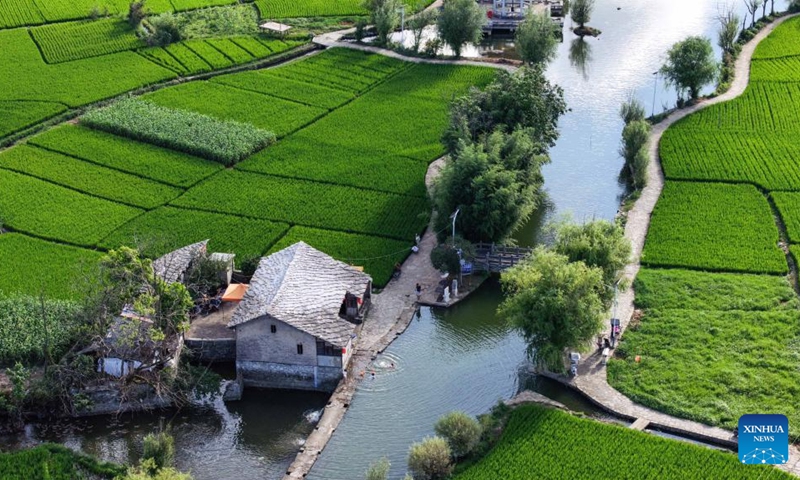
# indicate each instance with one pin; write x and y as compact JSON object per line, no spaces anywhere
{"x":655,"y":86}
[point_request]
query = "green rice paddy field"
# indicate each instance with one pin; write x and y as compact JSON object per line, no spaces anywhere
{"x":346,"y":174}
{"x":714,"y":345}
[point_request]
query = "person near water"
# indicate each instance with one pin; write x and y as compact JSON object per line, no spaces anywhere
{"x":419,"y":291}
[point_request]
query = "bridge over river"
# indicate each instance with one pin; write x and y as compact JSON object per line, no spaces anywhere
{"x":496,"y":258}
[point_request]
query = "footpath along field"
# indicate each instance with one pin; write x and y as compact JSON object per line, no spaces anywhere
{"x":346,"y":175}
{"x":714,"y":346}
{"x":541,"y":442}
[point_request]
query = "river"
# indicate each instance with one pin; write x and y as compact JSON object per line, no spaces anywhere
{"x":464,"y":358}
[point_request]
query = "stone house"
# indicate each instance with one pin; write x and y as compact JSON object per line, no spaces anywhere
{"x":128,"y":344}
{"x":296,"y":324}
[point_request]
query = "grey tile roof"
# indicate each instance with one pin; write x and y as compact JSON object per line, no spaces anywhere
{"x":304,"y":288}
{"x":173,"y":265}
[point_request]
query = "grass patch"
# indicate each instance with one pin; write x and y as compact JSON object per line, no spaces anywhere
{"x":228,"y":103}
{"x":16,"y":116}
{"x":87,"y":177}
{"x":31,"y":267}
{"x":25,"y":75}
{"x":265,"y":81}
{"x":37,"y":207}
{"x":64,"y":42}
{"x":166,"y":229}
{"x":226,"y":141}
{"x":734,"y":350}
{"x":713,"y":226}
{"x":310,"y":204}
{"x":54,"y":462}
{"x":142,"y":159}
{"x":539,"y":442}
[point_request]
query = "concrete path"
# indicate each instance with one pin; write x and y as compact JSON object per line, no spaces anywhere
{"x":592,"y":375}
{"x":333,"y":39}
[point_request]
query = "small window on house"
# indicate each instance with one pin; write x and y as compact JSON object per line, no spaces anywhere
{"x":273,"y":328}
{"x":299,"y":348}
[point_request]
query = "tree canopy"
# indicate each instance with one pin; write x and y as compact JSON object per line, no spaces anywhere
{"x":523,"y":99}
{"x":556,"y":304}
{"x":536,"y":38}
{"x":600,"y":244}
{"x":383,"y":14}
{"x":495,"y":183}
{"x":690,"y":65}
{"x":461,"y":22}
{"x":581,"y":11}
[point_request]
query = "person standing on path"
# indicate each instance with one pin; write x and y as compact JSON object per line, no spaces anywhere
{"x":419,"y":292}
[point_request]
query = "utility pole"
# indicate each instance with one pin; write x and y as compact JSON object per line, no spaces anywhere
{"x":655,"y":85}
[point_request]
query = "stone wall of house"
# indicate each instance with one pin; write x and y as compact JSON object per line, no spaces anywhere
{"x":212,"y":350}
{"x":292,"y":377}
{"x":255,"y":342}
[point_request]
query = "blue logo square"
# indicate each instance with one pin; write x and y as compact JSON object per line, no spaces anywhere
{"x":763,"y":439}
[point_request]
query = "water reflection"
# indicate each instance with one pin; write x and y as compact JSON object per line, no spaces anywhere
{"x":465,"y":358}
{"x":580,"y":55}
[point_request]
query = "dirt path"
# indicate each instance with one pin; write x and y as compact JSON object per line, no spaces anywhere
{"x":592,"y":376}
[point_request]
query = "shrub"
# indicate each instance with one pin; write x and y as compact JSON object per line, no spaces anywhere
{"x":430,"y":459}
{"x":378,"y":470}
{"x":136,"y":13}
{"x":160,"y":448}
{"x":461,"y":431}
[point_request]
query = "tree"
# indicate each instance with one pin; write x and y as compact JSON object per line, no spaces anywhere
{"x":496,"y":184}
{"x":690,"y":65}
{"x":634,"y":148}
{"x":164,"y":30}
{"x":461,"y":22}
{"x":581,"y":12}
{"x":752,"y":8}
{"x":728,"y":29}
{"x":600,"y":244}
{"x":383,"y":14}
{"x":556,"y":304}
{"x":536,"y":38}
{"x":430,"y":459}
{"x":631,"y":110}
{"x":522,"y":99}
{"x":136,"y":13}
{"x":461,"y":431}
{"x":144,"y":472}
{"x":418,"y":23}
{"x":378,"y":470}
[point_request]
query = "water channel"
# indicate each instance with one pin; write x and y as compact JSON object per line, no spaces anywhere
{"x":464,"y":358}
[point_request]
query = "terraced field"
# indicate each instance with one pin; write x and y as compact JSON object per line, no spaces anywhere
{"x":713,"y":346}
{"x":347,"y":173}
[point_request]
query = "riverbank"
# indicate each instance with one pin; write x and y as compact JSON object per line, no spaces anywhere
{"x":592,"y":374}
{"x":391,"y":312}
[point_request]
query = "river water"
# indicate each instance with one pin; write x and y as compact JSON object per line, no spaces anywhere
{"x":464,"y":358}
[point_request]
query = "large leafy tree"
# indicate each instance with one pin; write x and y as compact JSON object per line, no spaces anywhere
{"x":461,"y":22}
{"x":384,"y":15}
{"x":536,"y":38}
{"x":581,"y":12}
{"x":495,"y":183}
{"x":523,"y":99}
{"x":690,"y":65}
{"x":600,"y":244}
{"x":556,"y":304}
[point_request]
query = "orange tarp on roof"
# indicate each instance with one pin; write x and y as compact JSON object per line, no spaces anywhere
{"x":235,"y":292}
